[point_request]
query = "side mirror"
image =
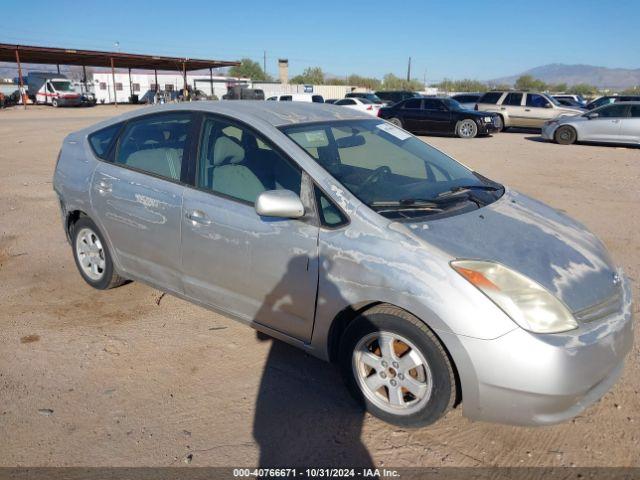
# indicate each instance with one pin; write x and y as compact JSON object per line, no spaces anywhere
{"x":279,"y":203}
{"x":593,"y":115}
{"x":548,"y":105}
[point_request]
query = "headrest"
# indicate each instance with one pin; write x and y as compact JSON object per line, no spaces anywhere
{"x":227,"y":151}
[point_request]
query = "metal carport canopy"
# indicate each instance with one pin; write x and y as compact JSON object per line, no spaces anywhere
{"x":95,"y":58}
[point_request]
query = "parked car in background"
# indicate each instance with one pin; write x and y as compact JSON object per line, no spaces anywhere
{"x":467,"y":100}
{"x":579,"y":99}
{"x":242,"y":92}
{"x":394,"y":96}
{"x":362,"y":104}
{"x":372,"y":97}
{"x":442,"y":116}
{"x":353,"y":240}
{"x":607,"y":99}
{"x":331,"y":100}
{"x":297,"y":97}
{"x":614,"y":123}
{"x":569,"y":102}
{"x":523,"y":109}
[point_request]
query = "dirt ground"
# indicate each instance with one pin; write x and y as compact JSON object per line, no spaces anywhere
{"x":130,"y":377}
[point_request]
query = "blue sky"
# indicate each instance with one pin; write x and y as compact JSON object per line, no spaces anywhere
{"x":473,"y":39}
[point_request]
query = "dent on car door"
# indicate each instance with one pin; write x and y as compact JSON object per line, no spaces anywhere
{"x":258,"y":269}
{"x":137,"y":197}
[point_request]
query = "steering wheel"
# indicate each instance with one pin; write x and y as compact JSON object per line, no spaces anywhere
{"x":377,"y":175}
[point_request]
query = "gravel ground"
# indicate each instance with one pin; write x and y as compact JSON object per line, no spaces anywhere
{"x":130,"y":377}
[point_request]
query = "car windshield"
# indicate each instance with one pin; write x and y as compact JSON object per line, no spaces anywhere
{"x":61,"y":86}
{"x":389,"y":169}
{"x":366,"y":101}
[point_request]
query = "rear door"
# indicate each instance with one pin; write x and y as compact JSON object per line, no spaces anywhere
{"x":411,"y":114}
{"x":606,"y":127}
{"x":513,"y":107}
{"x":630,"y":125}
{"x":258,"y":269}
{"x":138,"y":196}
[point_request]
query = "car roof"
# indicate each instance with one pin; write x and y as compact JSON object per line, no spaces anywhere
{"x":251,"y":111}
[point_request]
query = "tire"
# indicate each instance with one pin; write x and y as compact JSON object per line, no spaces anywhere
{"x":565,"y":135}
{"x":501,"y":124}
{"x":54,"y":103}
{"x":431,"y":379}
{"x":467,"y":128}
{"x":92,"y":256}
{"x":396,"y":121}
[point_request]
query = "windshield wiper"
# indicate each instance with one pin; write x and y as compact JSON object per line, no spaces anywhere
{"x":406,"y":203}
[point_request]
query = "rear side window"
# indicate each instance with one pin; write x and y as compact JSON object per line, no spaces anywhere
{"x":102,"y":140}
{"x":155,"y":144}
{"x":490,"y":97}
{"x":413,"y":103}
{"x":513,"y":99}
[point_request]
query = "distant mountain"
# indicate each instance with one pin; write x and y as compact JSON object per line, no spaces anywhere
{"x":602,"y":77}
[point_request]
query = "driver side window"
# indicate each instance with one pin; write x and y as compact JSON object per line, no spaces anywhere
{"x":236,"y":162}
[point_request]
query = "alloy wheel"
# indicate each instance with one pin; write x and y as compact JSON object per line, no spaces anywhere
{"x":90,"y":254}
{"x":392,"y":372}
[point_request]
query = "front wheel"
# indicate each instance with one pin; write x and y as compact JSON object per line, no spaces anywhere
{"x":467,"y":128}
{"x":92,"y":256}
{"x":565,"y":135}
{"x":54,"y":103}
{"x":397,"y":368}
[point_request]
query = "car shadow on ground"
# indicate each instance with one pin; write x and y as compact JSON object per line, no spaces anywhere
{"x":304,"y":414}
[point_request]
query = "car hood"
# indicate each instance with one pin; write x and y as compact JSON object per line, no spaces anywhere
{"x":569,"y":111}
{"x":533,"y":239}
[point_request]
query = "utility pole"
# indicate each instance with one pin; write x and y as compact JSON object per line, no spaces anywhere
{"x":409,"y":70}
{"x":424,"y":79}
{"x":264,"y":62}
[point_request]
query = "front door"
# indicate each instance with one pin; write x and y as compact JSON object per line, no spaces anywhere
{"x":138,"y":197}
{"x":538,"y":109}
{"x":436,"y":117}
{"x":630,"y":125}
{"x":262,"y":270}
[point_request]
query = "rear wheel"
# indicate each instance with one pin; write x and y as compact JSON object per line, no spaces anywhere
{"x":396,"y":121}
{"x":565,"y":135}
{"x":394,"y":364}
{"x":92,"y":256}
{"x":467,"y":128}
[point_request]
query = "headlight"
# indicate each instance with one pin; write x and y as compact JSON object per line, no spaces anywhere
{"x":527,"y":303}
{"x":488,"y":119}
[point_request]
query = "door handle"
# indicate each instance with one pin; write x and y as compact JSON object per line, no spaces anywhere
{"x":503,"y":108}
{"x":103,"y":187}
{"x":527,"y":109}
{"x":198,"y":216}
{"x":616,"y":121}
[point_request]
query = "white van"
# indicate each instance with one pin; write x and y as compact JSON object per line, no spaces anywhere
{"x":297,"y":97}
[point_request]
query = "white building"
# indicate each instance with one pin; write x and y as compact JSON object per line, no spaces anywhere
{"x":144,"y":84}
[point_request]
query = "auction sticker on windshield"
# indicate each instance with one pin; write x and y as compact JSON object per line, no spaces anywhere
{"x":395,"y":131}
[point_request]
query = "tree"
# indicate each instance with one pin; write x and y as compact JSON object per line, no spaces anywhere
{"x":583,"y":89}
{"x":464,"y":85}
{"x":249,"y":69}
{"x":557,"y":87}
{"x":391,"y":82}
{"x":528,"y":83}
{"x":310,"y":76}
{"x":632,"y":91}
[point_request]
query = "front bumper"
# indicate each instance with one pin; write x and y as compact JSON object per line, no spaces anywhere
{"x":523,"y":378}
{"x":548,"y":131}
{"x":485,"y":128}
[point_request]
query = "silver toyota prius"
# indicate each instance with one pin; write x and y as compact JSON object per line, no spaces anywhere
{"x":428,"y":283}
